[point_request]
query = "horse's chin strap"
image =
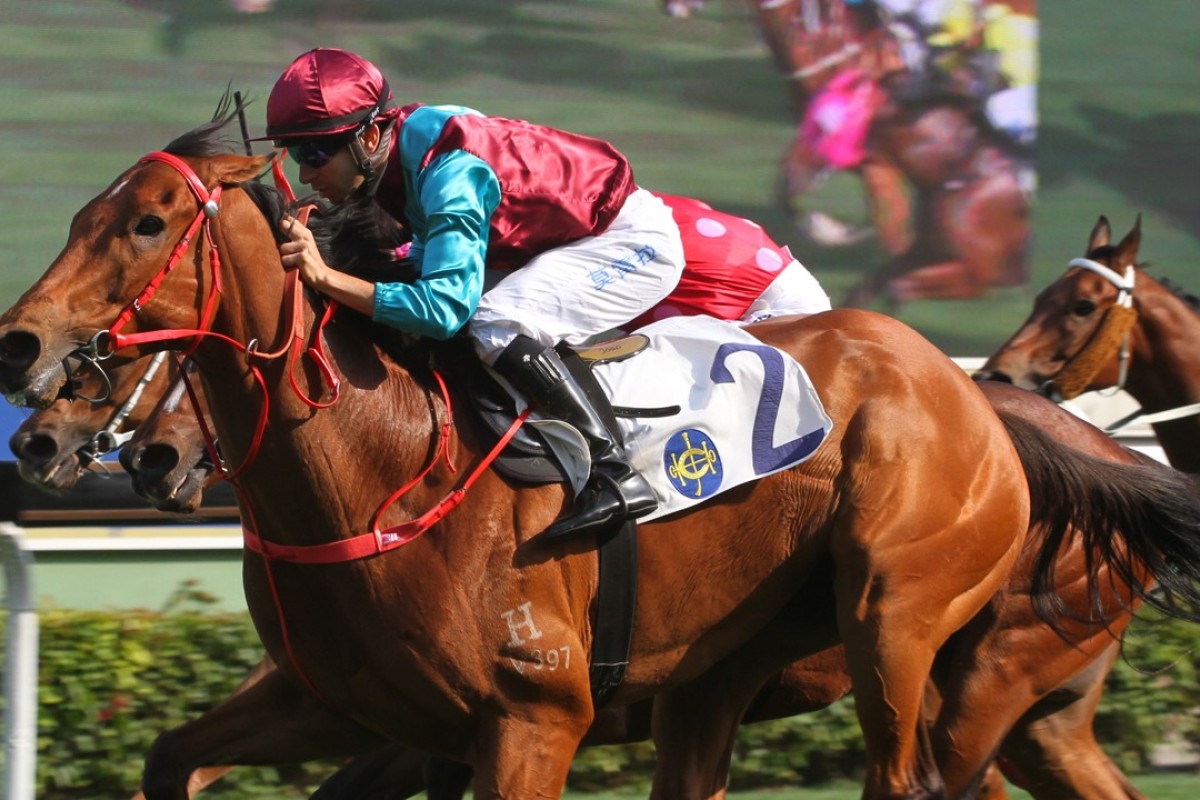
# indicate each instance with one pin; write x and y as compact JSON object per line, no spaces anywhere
{"x":1071,"y":379}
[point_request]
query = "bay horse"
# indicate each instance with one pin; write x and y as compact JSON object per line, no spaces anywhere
{"x":1017,"y":687}
{"x":1106,"y":322}
{"x":907,"y":421}
{"x":170,"y":448}
{"x":161,"y":475}
{"x":58,"y":445}
{"x":172,"y":439}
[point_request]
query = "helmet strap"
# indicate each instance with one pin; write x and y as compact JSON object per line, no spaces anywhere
{"x":372,"y":165}
{"x":362,"y":158}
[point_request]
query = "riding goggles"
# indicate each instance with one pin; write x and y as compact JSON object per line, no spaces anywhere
{"x":315,"y":153}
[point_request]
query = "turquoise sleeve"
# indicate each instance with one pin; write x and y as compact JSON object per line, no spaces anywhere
{"x":456,"y":196}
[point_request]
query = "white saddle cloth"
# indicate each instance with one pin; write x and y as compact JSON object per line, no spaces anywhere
{"x":747,"y":410}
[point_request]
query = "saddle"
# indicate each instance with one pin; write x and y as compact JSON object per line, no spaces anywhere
{"x":529,"y":457}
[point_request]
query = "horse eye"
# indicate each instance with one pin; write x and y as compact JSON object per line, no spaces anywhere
{"x":1083,"y":308}
{"x":149,"y":226}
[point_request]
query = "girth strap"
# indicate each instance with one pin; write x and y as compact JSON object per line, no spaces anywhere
{"x":616,"y":605}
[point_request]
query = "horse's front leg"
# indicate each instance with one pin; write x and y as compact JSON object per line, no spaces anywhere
{"x":527,"y":752}
{"x":695,"y":728}
{"x":395,"y":771}
{"x":888,"y":204}
{"x":201,"y":779}
{"x":270,"y":722}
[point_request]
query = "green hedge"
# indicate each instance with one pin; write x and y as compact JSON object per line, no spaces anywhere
{"x":109,"y":682}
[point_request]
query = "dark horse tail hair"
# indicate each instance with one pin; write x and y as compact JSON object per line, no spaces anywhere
{"x":1141,"y":521}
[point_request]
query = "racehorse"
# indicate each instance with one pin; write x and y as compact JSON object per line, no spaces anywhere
{"x":171,"y":469}
{"x":1031,"y":695}
{"x":174,"y":440}
{"x":57,"y":445}
{"x":1107,"y":323}
{"x":965,"y":227}
{"x":710,"y":580}
{"x":1045,"y":679}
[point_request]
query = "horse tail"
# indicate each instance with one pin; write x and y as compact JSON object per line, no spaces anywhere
{"x":1141,"y":521}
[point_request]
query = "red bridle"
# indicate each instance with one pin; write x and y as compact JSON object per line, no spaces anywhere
{"x":291,"y":346}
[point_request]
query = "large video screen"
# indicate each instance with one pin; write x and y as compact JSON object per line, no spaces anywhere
{"x":937,"y":161}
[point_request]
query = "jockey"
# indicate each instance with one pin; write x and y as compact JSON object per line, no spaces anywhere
{"x":585,"y":249}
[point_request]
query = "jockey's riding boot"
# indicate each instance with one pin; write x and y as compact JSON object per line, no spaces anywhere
{"x":615,"y":491}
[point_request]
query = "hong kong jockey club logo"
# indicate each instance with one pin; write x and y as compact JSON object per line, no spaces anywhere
{"x":691,"y":460}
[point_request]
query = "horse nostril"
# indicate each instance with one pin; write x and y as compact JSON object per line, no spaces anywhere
{"x":156,"y":460}
{"x":18,"y":351}
{"x":36,"y":449}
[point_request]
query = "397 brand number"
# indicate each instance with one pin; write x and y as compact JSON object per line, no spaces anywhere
{"x":551,"y":659}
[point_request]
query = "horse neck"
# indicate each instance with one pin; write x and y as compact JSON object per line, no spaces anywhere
{"x":1162,"y":375}
{"x":339,"y":462}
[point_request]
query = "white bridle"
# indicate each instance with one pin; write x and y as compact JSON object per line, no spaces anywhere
{"x":1124,"y":284}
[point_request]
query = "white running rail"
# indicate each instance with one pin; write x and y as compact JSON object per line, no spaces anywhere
{"x":20,"y":675}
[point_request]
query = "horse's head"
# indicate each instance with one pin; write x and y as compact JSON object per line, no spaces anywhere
{"x":57,"y":445}
{"x":166,"y":457}
{"x":118,"y":245}
{"x":1077,"y":337}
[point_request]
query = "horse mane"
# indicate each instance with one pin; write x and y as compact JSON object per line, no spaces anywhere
{"x":362,"y":238}
{"x":1190,"y":299}
{"x":210,"y":139}
{"x":357,"y":235}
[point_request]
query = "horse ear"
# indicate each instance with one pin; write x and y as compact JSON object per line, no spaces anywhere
{"x":1101,"y":234}
{"x":238,"y":169}
{"x":1127,"y":250}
